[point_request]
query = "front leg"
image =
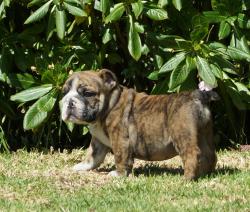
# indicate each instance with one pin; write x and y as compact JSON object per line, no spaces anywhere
{"x":95,"y":156}
{"x":124,"y":159}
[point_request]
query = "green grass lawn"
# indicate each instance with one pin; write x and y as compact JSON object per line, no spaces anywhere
{"x":44,"y":182}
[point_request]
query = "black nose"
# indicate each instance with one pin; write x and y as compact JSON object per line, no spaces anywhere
{"x":71,"y":104}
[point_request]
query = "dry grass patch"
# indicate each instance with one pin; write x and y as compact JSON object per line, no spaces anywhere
{"x":39,"y":181}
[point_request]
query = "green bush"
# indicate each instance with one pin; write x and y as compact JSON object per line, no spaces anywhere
{"x":155,"y":46}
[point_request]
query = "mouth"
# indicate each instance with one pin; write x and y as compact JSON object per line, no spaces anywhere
{"x":71,"y":117}
{"x":74,"y":119}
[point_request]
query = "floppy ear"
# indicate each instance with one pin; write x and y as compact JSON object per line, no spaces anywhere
{"x":109,"y":78}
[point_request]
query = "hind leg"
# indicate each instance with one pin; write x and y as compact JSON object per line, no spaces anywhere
{"x":207,"y":147}
{"x":197,"y":164}
{"x":190,"y":158}
{"x":198,"y":155}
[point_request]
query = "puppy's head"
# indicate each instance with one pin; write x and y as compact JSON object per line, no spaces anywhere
{"x":85,"y":95}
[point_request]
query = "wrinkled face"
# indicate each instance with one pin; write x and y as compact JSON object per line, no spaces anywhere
{"x":84,"y":95}
{"x":81,"y":102}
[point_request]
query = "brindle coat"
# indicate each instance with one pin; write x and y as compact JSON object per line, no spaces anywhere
{"x":148,"y":127}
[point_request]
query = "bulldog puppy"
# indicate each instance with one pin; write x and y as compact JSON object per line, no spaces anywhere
{"x":137,"y":125}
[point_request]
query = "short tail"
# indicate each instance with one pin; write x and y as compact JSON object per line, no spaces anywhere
{"x":206,"y":96}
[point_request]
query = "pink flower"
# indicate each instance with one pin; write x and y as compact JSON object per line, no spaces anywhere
{"x":205,"y":87}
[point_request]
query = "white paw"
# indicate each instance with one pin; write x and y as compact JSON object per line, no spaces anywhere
{"x":113,"y":174}
{"x":82,"y":167}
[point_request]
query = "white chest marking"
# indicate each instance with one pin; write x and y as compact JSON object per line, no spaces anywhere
{"x":97,"y":131}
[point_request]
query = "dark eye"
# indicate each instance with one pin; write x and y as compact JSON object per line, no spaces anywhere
{"x":85,"y":93}
{"x":89,"y":93}
{"x":65,"y":90}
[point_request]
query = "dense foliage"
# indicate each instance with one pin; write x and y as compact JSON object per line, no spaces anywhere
{"x":155,"y":46}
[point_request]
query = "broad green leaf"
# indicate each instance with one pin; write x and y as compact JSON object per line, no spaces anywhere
{"x":199,"y":21}
{"x":60,"y":22}
{"x":178,"y":75}
{"x":237,"y":54}
{"x":223,"y":64}
{"x":243,"y":44}
{"x":216,"y":71}
{"x":217,"y":45}
{"x":219,"y":49}
{"x":244,"y":92}
{"x":214,"y":16}
{"x":3,"y":76}
{"x":231,"y":20}
{"x":205,"y":71}
{"x":235,"y":95}
{"x":239,"y":41}
{"x":163,"y":3}
{"x":31,"y":93}
{"x":190,"y":83}
{"x":73,"y":1}
{"x":51,"y":23}
{"x":47,"y":102}
{"x":157,"y":14}
{"x":242,"y":88}
{"x":104,"y":5}
{"x":173,"y":62}
{"x":139,"y":28}
{"x":34,"y":2}
{"x":115,"y":13}
{"x":145,"y":50}
{"x":177,"y":4}
{"x":243,"y":21}
{"x":70,"y":126}
{"x":190,"y":63}
{"x":183,"y":44}
{"x":200,"y":28}
{"x":153,"y":75}
{"x":245,"y":5}
{"x":158,"y":60}
{"x":23,"y":81}
{"x":137,"y":8}
{"x":134,"y":41}
{"x":7,"y":3}
{"x":39,"y":13}
{"x":168,"y":41}
{"x":75,"y":10}
{"x":107,"y":36}
{"x":175,"y":42}
{"x":85,"y":130}
{"x":205,"y":49}
{"x":2,"y":10}
{"x":224,"y":30}
{"x":34,"y":117}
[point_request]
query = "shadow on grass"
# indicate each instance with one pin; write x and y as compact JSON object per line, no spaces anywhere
{"x":226,"y":171}
{"x":148,"y":170}
{"x":155,"y":170}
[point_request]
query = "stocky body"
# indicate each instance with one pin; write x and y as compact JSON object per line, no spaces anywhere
{"x":136,"y":125}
